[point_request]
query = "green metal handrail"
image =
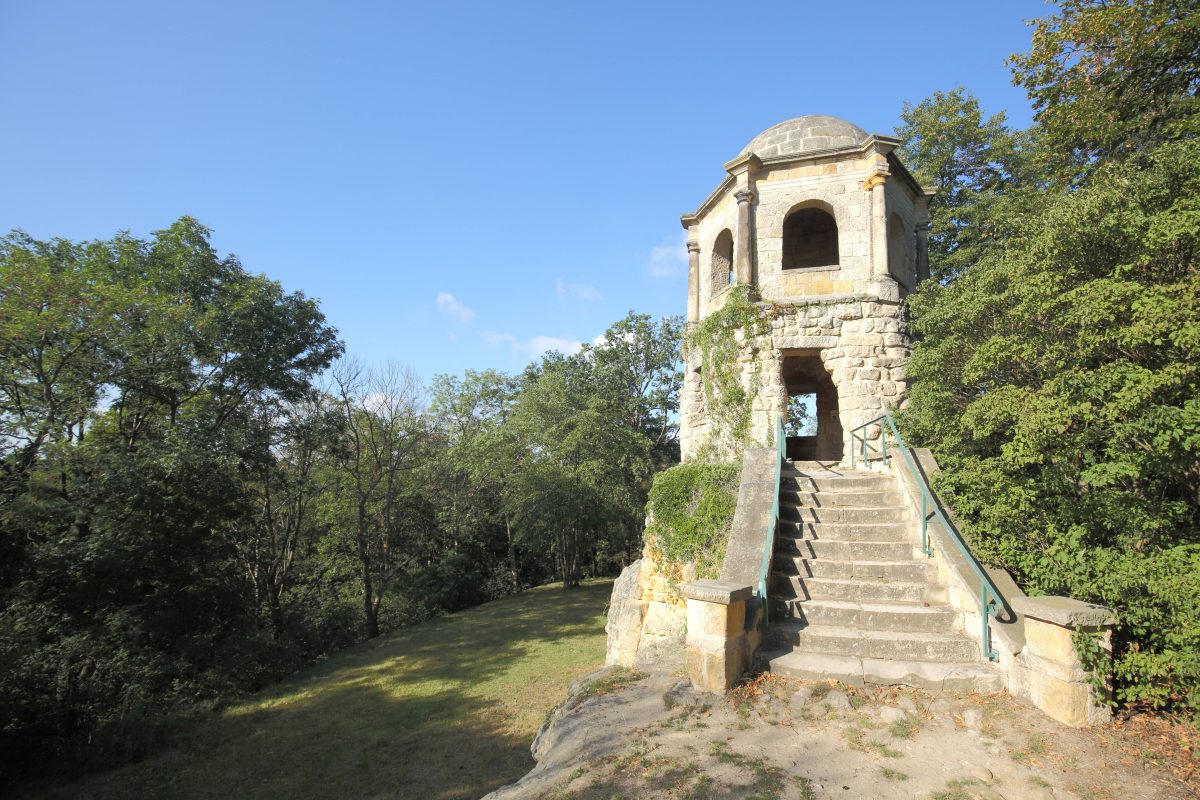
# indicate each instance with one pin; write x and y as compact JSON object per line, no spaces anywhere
{"x":769,"y":549}
{"x":989,"y":595}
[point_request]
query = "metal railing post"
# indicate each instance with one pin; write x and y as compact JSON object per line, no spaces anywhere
{"x":925,"y":524}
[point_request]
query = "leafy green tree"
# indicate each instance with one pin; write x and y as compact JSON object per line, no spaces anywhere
{"x":638,"y":361}
{"x":1057,"y":380}
{"x":971,"y":161}
{"x":479,"y":459}
{"x":576,"y":440}
{"x":130,"y":370}
{"x":375,"y":502}
{"x":286,"y":445}
{"x":1113,"y":78}
{"x":1056,"y":376}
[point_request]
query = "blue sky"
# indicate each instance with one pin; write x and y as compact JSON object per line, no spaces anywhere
{"x":460,"y":184}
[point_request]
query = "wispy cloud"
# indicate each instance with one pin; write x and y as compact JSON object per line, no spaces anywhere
{"x":534,"y":347}
{"x":450,"y":305}
{"x":578,"y":290}
{"x":670,"y":259}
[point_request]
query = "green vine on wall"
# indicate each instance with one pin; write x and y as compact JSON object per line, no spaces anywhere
{"x":716,"y":338}
{"x":691,"y":509}
{"x":1096,"y":662}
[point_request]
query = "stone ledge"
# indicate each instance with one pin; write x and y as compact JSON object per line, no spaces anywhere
{"x":721,"y":592}
{"x":1065,"y":611}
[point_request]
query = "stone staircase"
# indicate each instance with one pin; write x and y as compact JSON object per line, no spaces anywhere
{"x":852,"y":597}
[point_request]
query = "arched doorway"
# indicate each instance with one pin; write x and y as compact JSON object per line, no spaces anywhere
{"x":814,"y":434}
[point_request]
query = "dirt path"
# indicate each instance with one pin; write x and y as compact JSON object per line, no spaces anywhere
{"x":627,"y":735}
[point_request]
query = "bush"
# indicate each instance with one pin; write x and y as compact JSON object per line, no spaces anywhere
{"x":691,"y":508}
{"x":1056,"y":382}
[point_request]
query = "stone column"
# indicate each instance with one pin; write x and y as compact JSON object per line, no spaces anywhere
{"x":743,"y":269}
{"x":718,"y":651}
{"x":1048,"y":672}
{"x":693,"y":307}
{"x":879,"y":257}
{"x":923,"y":250}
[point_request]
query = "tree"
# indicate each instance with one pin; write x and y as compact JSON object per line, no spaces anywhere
{"x":638,"y":361}
{"x":579,"y":454}
{"x":287,"y":444}
{"x":375,"y":501}
{"x":1056,"y":379}
{"x":1113,"y":78}
{"x":129,"y":370}
{"x":480,"y":457}
{"x":972,"y":162}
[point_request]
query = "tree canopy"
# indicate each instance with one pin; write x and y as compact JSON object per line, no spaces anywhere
{"x":1055,"y":368}
{"x":199,"y":493}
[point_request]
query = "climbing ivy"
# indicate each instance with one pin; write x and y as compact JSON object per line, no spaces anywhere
{"x":1096,"y":662}
{"x":720,"y":339}
{"x":691,"y":508}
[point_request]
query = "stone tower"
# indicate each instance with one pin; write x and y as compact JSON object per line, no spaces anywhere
{"x":828,"y":230}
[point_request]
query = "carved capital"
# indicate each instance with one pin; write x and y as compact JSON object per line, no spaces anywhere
{"x":744,"y":196}
{"x":693,"y":247}
{"x":875,"y":179}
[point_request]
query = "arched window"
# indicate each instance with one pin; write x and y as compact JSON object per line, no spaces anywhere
{"x":898,"y":251}
{"x":722,"y":261}
{"x":810,"y":239}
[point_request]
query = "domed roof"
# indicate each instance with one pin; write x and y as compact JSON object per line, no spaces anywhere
{"x":805,"y":135}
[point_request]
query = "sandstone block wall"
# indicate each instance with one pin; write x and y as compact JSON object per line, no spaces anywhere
{"x":863,"y":344}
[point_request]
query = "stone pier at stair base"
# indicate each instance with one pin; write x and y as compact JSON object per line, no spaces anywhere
{"x":1048,"y":672}
{"x":718,"y":650}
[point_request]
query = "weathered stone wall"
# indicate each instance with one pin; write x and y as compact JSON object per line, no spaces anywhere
{"x":833,"y":185}
{"x":647,"y":617}
{"x":863,"y":343}
{"x":850,"y":312}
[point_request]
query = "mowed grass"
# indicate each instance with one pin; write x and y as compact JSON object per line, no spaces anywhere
{"x":444,"y":710}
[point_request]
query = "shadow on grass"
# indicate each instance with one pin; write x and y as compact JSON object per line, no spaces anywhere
{"x":445,"y":710}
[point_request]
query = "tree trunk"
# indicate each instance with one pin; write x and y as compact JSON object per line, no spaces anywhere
{"x":368,"y":606}
{"x":514,"y":577}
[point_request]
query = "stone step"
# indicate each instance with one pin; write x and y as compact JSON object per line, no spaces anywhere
{"x":857,"y":550}
{"x":914,"y":571}
{"x":866,"y":643}
{"x":855,"y":499}
{"x":845,"y":531}
{"x":835,"y":485}
{"x":855,"y":671}
{"x":796,"y":588}
{"x":793,"y":513}
{"x":899,"y":617}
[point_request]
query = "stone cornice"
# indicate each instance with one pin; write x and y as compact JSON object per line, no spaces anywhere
{"x":744,"y":163}
{"x":712,"y":199}
{"x":898,"y":169}
{"x":875,"y":144}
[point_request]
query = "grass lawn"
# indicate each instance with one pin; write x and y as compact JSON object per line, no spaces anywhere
{"x":444,"y":710}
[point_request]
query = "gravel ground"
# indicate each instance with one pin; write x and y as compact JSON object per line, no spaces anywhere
{"x":631,"y":735}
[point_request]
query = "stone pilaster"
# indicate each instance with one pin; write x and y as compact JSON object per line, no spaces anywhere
{"x":875,"y":184}
{"x":922,"y":231}
{"x":743,"y":267}
{"x":693,"y":307}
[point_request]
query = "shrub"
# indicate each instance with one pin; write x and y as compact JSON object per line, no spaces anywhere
{"x":691,"y":508}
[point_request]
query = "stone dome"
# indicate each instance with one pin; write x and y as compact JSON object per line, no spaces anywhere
{"x":806,"y":134}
